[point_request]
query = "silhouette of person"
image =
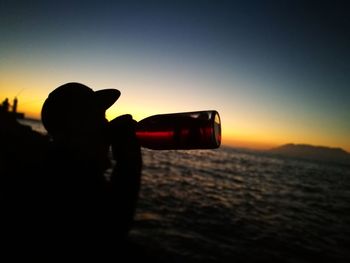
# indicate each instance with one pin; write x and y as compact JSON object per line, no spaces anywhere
{"x":5,"y":105}
{"x":90,"y":207}
{"x":69,"y":204}
{"x":15,"y":103}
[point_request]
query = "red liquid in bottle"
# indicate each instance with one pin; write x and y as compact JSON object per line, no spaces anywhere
{"x":189,"y":130}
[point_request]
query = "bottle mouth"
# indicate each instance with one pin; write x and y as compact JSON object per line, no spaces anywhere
{"x":217,"y":129}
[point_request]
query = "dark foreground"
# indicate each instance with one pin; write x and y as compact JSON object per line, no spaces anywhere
{"x":230,"y":206}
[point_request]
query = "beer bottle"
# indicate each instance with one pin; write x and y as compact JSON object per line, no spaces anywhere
{"x":176,"y":131}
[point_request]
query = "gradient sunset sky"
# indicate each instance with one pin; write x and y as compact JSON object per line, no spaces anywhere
{"x":276,"y":71}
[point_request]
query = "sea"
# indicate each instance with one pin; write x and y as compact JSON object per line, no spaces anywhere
{"x":237,"y":205}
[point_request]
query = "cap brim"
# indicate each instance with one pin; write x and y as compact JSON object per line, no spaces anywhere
{"x":106,"y":97}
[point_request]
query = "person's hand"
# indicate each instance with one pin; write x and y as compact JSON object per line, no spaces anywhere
{"x":125,"y":145}
{"x":126,"y":177}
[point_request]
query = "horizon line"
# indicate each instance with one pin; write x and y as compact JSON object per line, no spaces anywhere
{"x":231,"y":145}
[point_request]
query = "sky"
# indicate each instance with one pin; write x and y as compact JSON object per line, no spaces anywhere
{"x":276,"y":71}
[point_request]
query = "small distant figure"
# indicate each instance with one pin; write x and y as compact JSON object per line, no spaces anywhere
{"x":14,"y":106}
{"x":5,"y":105}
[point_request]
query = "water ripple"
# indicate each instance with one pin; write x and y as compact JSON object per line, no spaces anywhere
{"x":225,"y":205}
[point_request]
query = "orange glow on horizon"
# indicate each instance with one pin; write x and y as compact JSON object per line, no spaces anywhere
{"x":260,"y":144}
{"x":239,"y":129}
{"x":241,"y":139}
{"x":255,"y":145}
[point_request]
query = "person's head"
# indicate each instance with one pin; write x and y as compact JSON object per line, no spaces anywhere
{"x":74,"y":114}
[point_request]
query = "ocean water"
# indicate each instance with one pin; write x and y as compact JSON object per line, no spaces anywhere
{"x":36,"y":125}
{"x":230,"y":205}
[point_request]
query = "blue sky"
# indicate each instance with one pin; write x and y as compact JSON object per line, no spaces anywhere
{"x":277,"y":71}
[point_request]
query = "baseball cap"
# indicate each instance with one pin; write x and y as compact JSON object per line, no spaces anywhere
{"x":69,"y":101}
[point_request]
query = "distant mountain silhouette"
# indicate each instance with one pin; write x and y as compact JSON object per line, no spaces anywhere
{"x":310,"y":152}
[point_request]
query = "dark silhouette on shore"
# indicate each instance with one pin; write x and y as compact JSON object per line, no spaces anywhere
{"x":14,"y":106}
{"x":56,"y":195}
{"x":5,"y":105}
{"x":5,"y":108}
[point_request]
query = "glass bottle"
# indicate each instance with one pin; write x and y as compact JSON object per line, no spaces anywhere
{"x":175,"y":131}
